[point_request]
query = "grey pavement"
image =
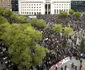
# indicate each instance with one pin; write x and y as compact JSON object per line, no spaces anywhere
{"x":76,"y":62}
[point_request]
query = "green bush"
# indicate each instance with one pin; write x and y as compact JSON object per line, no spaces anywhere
{"x":68,"y":31}
{"x":63,"y":14}
{"x":57,"y":28}
{"x":38,"y":23}
{"x":71,"y":12}
{"x":77,"y":14}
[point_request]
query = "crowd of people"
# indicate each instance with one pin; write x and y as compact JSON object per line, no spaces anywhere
{"x":5,"y":61}
{"x":52,"y":41}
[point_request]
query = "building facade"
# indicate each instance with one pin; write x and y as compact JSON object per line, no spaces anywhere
{"x":31,"y":7}
{"x":0,"y":3}
{"x":5,"y":4}
{"x":14,"y":5}
{"x":78,"y":5}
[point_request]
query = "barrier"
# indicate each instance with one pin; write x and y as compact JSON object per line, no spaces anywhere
{"x":60,"y":63}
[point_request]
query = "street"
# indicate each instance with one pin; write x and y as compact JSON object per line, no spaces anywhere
{"x":76,"y":62}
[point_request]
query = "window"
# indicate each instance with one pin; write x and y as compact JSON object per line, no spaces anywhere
{"x":54,"y":11}
{"x":34,"y":9}
{"x":32,"y":13}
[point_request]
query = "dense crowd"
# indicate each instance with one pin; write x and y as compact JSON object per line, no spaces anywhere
{"x":52,"y":41}
{"x":4,"y":59}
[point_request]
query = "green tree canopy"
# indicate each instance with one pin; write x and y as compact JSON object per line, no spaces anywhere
{"x":68,"y":31}
{"x":38,"y":23}
{"x":57,"y":28}
{"x":3,"y":20}
{"x":5,"y":13}
{"x":1,"y":11}
{"x":63,"y":14}
{"x":13,"y":17}
{"x":22,"y":41}
{"x":71,"y":12}
{"x":77,"y":14}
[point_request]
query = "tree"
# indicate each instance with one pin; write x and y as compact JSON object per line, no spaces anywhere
{"x":68,"y":31}
{"x":63,"y":14}
{"x":57,"y":28}
{"x":5,"y":13}
{"x":1,"y":11}
{"x":77,"y":14}
{"x":38,"y":23}
{"x":34,"y":21}
{"x":22,"y":41}
{"x":3,"y":20}
{"x":21,"y":18}
{"x":71,"y":12}
{"x":11,"y":17}
{"x":41,"y":23}
{"x":3,"y":24}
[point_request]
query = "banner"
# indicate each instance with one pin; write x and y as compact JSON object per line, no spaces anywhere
{"x":60,"y":63}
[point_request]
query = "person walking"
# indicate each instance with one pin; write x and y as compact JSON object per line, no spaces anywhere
{"x":56,"y":68}
{"x":65,"y":67}
{"x":72,"y":65}
{"x":80,"y":61}
{"x":75,"y":67}
{"x":61,"y":68}
{"x":80,"y":67}
{"x":80,"y":64}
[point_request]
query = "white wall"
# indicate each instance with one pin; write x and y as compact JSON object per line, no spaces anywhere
{"x":29,"y":7}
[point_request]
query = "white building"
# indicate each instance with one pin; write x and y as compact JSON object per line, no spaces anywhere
{"x":31,"y":7}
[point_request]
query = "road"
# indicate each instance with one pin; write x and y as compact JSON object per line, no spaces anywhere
{"x":76,"y":62}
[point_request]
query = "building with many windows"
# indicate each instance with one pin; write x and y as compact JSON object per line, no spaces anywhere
{"x":14,"y":5}
{"x":78,"y":5}
{"x":6,"y":4}
{"x":31,"y":7}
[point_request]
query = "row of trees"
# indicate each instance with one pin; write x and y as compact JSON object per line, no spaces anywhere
{"x":22,"y":43}
{"x":59,"y":29}
{"x":11,"y":17}
{"x":71,"y":12}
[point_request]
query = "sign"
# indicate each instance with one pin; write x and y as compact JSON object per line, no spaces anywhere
{"x":60,"y":63}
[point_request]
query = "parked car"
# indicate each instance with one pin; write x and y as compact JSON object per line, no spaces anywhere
{"x":82,"y":55}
